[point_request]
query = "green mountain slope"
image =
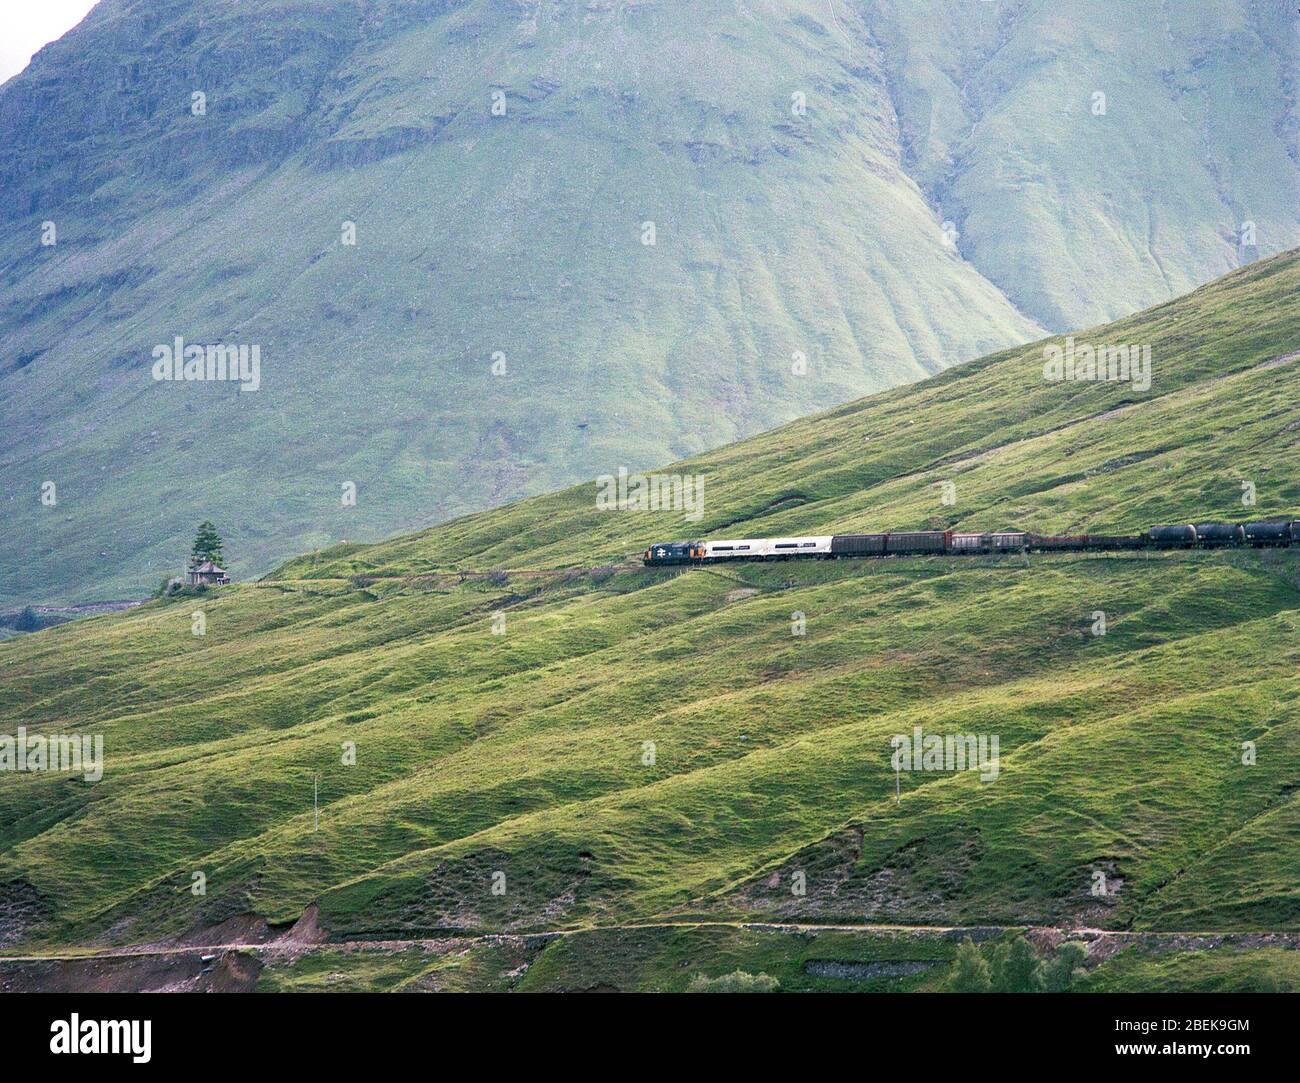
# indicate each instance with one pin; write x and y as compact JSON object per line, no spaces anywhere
{"x":781,"y":238}
{"x":500,"y":722}
{"x":514,"y":239}
{"x":1097,"y":157}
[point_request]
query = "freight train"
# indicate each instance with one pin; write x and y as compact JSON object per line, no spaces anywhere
{"x":1270,"y":534}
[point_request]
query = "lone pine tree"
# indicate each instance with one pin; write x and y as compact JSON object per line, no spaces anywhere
{"x":207,"y":545}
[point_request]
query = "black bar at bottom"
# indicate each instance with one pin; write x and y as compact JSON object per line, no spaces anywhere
{"x":370,"y":1032}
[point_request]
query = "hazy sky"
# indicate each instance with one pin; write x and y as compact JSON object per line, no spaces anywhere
{"x":26,"y":25}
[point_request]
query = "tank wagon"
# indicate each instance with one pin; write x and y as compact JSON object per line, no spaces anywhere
{"x":1281,"y":533}
{"x":1262,"y":535}
{"x":1212,"y":535}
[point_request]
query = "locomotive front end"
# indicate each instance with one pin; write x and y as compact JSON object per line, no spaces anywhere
{"x":665,"y":554}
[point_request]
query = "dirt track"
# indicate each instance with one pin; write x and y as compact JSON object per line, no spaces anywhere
{"x":234,"y":966}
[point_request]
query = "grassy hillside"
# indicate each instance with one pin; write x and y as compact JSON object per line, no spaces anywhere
{"x":525,"y":753}
{"x":944,"y":191}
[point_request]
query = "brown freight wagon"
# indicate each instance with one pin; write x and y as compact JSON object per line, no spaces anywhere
{"x":857,"y":545}
{"x":968,"y":542}
{"x":917,"y":541}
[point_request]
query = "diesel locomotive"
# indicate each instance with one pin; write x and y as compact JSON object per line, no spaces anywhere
{"x":1278,"y":533}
